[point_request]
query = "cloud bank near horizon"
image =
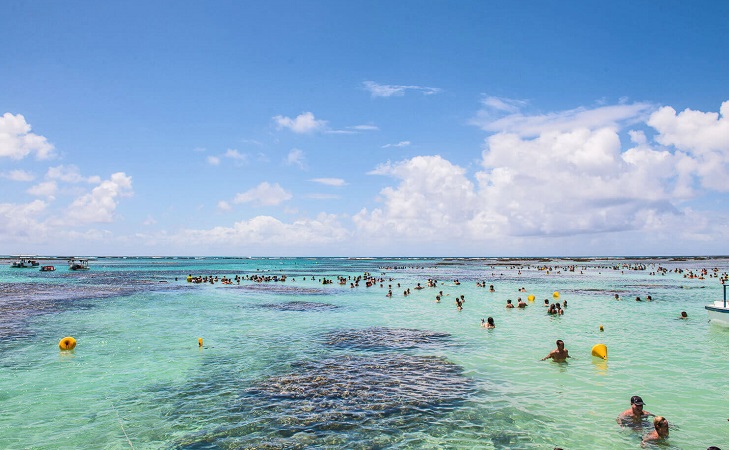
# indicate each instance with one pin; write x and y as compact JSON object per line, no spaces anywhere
{"x":635,"y":169}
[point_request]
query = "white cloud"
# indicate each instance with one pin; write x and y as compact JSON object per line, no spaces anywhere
{"x":296,"y":158}
{"x":17,"y":141}
{"x":236,"y":155}
{"x":70,"y":174}
{"x":149,"y":220}
{"x":338,"y":182}
{"x":224,"y":206}
{"x":399,"y":144}
{"x":365,"y":128}
{"x":389,"y":90}
{"x":100,"y":204}
{"x":703,"y":138}
{"x":694,"y":131}
{"x":433,"y":197}
{"x":303,"y":123}
{"x":613,"y":116}
{"x":18,"y":175}
{"x":265,"y":194}
{"x":564,"y":174}
{"x":44,"y":189}
{"x":504,"y":105}
{"x":268,"y":232}
{"x":213,"y":160}
{"x":22,"y":222}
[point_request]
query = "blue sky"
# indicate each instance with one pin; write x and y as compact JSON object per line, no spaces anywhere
{"x":332,"y":128}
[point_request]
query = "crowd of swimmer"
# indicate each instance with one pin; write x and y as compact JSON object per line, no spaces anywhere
{"x":212,"y":279}
{"x":690,"y":274}
{"x":634,"y":417}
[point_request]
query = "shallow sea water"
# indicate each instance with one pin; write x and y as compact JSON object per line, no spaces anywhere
{"x":301,"y":364}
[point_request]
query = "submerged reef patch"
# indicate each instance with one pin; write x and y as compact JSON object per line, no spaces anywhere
{"x":299,"y":306}
{"x":382,"y":338}
{"x":341,"y":401}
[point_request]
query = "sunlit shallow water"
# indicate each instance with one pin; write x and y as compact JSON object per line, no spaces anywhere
{"x":301,"y":364}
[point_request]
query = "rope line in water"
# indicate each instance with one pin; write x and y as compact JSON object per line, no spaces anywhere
{"x":121,"y":424}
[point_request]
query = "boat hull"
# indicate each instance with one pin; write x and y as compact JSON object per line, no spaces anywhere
{"x":718,"y":314}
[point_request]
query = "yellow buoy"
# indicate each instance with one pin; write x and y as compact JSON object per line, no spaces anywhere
{"x":601,"y":328}
{"x":530,"y":297}
{"x":67,"y":343}
{"x":600,"y":350}
{"x":199,"y":342}
{"x":556,"y":294}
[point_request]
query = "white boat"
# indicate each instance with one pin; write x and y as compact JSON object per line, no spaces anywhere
{"x":78,"y":264}
{"x":24,"y":262}
{"x":719,"y":311}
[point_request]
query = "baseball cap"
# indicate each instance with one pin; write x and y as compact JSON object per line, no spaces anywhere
{"x":636,"y":400}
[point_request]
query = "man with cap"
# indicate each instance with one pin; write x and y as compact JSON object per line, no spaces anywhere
{"x":635,"y":414}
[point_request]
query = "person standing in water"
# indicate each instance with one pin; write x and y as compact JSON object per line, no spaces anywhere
{"x":659,"y":433}
{"x":635,"y":414}
{"x":559,"y":354}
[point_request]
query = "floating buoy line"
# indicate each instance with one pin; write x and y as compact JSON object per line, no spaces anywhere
{"x":121,"y":424}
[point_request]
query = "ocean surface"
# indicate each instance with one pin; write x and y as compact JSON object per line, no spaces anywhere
{"x":302,"y":363}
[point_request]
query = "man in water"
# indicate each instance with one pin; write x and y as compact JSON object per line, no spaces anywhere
{"x":559,"y":354}
{"x":635,"y":414}
{"x":660,"y":431}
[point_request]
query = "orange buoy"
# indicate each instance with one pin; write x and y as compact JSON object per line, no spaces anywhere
{"x":199,"y":342}
{"x":67,"y":343}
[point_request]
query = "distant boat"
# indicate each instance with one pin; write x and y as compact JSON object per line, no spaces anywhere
{"x":24,"y":262}
{"x":719,"y":312}
{"x":47,"y":268}
{"x":78,"y":264}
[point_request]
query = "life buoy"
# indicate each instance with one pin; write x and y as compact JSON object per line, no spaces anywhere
{"x":67,"y":343}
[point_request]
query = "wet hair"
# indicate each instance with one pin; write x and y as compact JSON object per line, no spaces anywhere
{"x":560,"y":341}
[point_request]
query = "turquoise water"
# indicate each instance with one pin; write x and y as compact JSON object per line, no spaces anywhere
{"x":301,"y":364}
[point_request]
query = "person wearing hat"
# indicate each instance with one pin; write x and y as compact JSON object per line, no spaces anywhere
{"x":635,"y":414}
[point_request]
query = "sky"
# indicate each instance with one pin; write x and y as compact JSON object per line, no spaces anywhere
{"x":364,"y":128}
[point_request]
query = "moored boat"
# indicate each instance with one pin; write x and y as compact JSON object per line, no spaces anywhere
{"x":47,"y":268}
{"x":719,"y":312}
{"x":78,"y":264}
{"x":24,"y":262}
